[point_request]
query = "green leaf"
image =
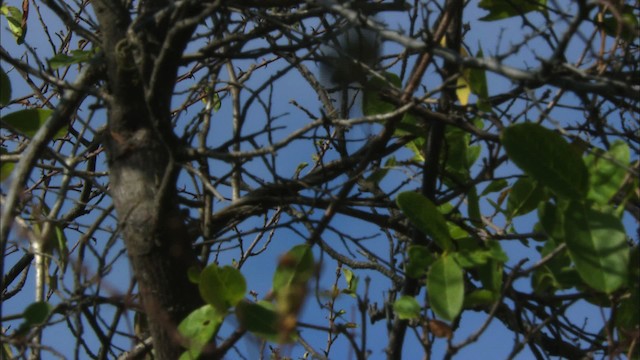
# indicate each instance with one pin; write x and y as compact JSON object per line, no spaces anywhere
{"x":6,"y":352}
{"x":627,"y":29}
{"x":470,"y":258}
{"x":473,"y":206}
{"x":628,"y":318}
{"x":193,"y":273}
{"x":424,"y":215}
{"x":525,"y":196}
{"x":294,"y":268}
{"x":258,"y":319}
{"x":473,"y":153}
{"x":222,"y":287}
{"x":456,"y":158}
{"x":76,"y":57}
{"x":607,"y":171}
{"x":198,"y":328}
{"x":491,"y":275}
{"x":480,"y":298}
{"x":495,"y":186}
{"x":6,"y":167}
{"x":14,"y":18}
{"x":29,"y":121}
{"x":407,"y":308}
{"x":60,"y":245}
{"x":557,"y":273}
{"x":37,"y":312}
{"x":5,"y":88}
{"x":372,"y":103}
{"x":463,"y":89}
{"x":416,"y":147}
{"x":212,"y":99}
{"x":420,"y":258}
{"x":379,"y":174}
{"x":597,"y":244}
{"x":496,"y":252}
{"x":548,"y":158}
{"x":34,"y":315}
{"x":502,"y":9}
{"x":410,"y":125}
{"x":352,"y":282}
{"x":628,"y":314}
{"x":5,"y":170}
{"x":634,"y":267}
{"x":478,"y":83}
{"x":445,"y":288}
{"x":552,"y":220}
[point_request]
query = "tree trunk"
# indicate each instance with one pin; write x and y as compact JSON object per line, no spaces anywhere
{"x":140,"y":146}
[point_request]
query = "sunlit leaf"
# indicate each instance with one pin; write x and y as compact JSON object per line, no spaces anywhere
{"x":14,"y":19}
{"x":548,"y":158}
{"x":474,"y":257}
{"x":463,"y":90}
{"x":416,"y":146}
{"x":424,"y":215}
{"x":597,"y":244}
{"x":222,"y":287}
{"x":407,"y":307}
{"x":445,"y":288}
{"x":463,"y":86}
{"x":352,"y":282}
{"x":198,"y":329}
{"x":471,"y":259}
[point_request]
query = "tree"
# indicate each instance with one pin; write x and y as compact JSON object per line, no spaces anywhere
{"x":199,"y":138}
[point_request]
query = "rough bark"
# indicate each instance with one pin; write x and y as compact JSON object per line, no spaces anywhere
{"x":142,"y":170}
